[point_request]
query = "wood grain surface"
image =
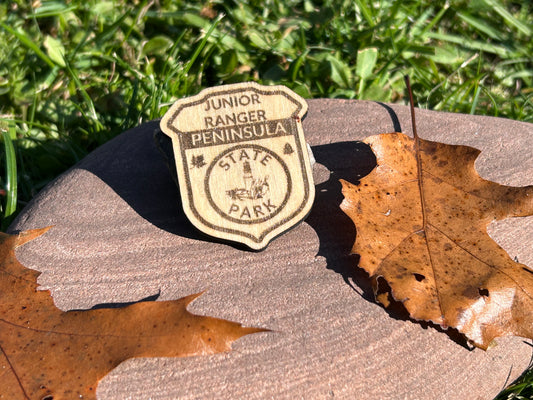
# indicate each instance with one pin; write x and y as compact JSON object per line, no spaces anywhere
{"x":120,"y":235}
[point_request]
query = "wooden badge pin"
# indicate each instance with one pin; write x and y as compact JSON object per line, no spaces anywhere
{"x":242,"y":161}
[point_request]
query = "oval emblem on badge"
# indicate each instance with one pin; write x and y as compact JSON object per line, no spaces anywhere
{"x":242,"y":161}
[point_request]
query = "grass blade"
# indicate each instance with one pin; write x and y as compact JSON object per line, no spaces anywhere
{"x":11,"y":173}
{"x":88,"y":101}
{"x":480,"y":25}
{"x":508,"y":17}
{"x":366,"y":12}
{"x":201,"y":46}
{"x":26,"y":41}
{"x":471,"y":43}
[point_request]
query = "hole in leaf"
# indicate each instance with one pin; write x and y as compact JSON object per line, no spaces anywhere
{"x":49,"y":397}
{"x":483,"y":292}
{"x":419,"y":277}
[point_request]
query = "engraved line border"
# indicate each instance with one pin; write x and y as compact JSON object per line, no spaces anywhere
{"x":183,"y":141}
{"x":299,"y":146}
{"x":257,"y":239}
{"x":229,"y":92}
{"x":257,"y":220}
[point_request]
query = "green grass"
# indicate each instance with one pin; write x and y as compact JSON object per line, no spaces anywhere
{"x":73,"y":74}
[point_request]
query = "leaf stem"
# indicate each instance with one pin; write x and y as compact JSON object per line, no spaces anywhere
{"x":417,"y":155}
{"x":412,"y":105}
{"x":420,"y":176}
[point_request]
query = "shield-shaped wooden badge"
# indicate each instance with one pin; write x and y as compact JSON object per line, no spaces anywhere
{"x":242,"y":161}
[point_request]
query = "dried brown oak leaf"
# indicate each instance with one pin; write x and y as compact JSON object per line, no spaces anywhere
{"x":46,"y":353}
{"x":421,"y":217}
